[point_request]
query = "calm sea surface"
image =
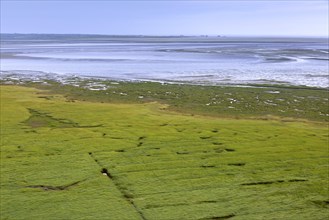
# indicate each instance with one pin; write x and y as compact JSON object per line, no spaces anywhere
{"x":200,"y":60}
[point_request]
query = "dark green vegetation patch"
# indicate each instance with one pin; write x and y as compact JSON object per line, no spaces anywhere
{"x":40,"y":119}
{"x":224,"y":101}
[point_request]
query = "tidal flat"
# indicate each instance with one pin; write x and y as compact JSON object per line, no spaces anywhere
{"x":99,"y":149}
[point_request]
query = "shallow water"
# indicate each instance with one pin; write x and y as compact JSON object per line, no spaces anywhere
{"x":201,"y":60}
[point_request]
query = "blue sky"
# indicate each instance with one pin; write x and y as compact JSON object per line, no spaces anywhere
{"x":263,"y":17}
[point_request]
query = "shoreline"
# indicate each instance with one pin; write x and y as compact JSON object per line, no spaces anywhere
{"x":37,"y":76}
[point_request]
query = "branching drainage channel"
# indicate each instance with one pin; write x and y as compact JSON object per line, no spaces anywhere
{"x":104,"y":171}
{"x":63,"y":187}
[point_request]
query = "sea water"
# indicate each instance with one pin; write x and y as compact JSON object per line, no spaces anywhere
{"x":204,"y":60}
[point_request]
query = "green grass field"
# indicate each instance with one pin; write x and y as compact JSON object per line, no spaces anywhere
{"x":115,"y":157}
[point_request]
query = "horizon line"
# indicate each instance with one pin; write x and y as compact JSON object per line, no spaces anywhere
{"x":174,"y":35}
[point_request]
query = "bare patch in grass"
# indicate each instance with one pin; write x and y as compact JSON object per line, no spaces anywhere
{"x":105,"y":172}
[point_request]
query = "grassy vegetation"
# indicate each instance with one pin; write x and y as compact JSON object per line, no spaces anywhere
{"x":129,"y":158}
{"x":239,"y":102}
